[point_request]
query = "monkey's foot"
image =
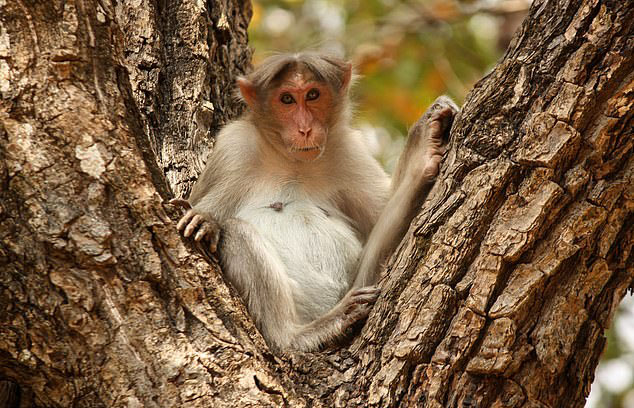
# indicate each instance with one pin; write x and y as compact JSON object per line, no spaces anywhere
{"x":431,"y":134}
{"x":441,"y":116}
{"x":358,"y":303}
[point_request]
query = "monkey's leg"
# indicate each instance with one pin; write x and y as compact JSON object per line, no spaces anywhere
{"x":254,"y":268}
{"x":416,"y":172}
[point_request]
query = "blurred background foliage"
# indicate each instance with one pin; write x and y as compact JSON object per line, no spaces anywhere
{"x":407,"y":52}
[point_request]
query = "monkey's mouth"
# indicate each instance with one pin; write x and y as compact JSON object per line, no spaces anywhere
{"x":305,"y":149}
{"x":306,"y":154}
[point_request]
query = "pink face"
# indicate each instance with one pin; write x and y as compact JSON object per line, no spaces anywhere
{"x":303,"y":107}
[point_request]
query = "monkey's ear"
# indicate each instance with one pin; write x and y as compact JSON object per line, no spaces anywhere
{"x":347,"y":76}
{"x":247,"y":90}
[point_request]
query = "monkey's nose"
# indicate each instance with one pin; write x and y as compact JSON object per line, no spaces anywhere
{"x":305,"y":132}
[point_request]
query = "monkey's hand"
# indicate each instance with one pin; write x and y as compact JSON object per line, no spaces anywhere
{"x":429,"y":137}
{"x":202,"y":228}
{"x":357,"y":304}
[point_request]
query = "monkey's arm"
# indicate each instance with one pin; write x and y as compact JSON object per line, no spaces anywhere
{"x":226,"y":167}
{"x":416,"y":173}
{"x":200,"y":219}
{"x":214,"y":197}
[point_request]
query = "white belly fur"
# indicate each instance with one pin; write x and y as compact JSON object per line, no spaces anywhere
{"x":318,"y":249}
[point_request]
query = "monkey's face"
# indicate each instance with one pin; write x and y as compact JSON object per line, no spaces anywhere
{"x":302,"y":107}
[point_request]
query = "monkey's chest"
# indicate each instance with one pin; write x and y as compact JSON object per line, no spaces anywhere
{"x":316,"y":245}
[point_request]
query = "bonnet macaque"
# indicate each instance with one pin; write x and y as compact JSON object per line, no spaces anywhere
{"x":300,"y":213}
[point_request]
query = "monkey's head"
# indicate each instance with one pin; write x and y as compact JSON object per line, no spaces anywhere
{"x":296,"y":99}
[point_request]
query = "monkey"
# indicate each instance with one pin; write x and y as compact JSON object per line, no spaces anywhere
{"x":298,"y":211}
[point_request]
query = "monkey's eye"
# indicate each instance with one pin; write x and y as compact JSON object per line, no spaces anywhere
{"x":312,"y":94}
{"x":287,"y":99}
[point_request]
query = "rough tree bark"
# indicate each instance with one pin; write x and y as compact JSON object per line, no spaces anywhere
{"x":498,"y":296}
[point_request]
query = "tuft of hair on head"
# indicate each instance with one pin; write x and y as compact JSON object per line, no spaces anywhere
{"x":334,"y":71}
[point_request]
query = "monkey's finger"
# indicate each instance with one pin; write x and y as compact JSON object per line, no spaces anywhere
{"x":192,"y":225}
{"x":213,"y":244}
{"x":364,"y":299}
{"x":180,"y":202}
{"x":204,"y":229}
{"x":359,"y":312}
{"x":444,"y":118}
{"x":435,"y":135}
{"x":185,"y":220}
{"x":367,"y":289}
{"x":364,"y":310}
{"x":356,"y":301}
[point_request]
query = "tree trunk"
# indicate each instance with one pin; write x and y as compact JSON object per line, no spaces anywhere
{"x":498,"y":296}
